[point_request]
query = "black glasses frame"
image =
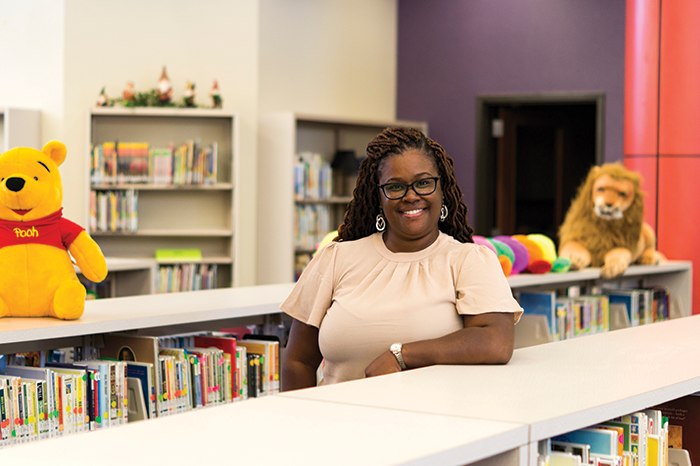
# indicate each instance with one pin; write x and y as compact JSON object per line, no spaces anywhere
{"x":412,"y":186}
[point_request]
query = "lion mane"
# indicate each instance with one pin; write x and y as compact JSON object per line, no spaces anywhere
{"x":597,"y":235}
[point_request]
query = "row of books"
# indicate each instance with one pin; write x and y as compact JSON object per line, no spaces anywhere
{"x":313,"y":177}
{"x":573,"y":316}
{"x":185,"y":277}
{"x":114,"y":210}
{"x":132,"y":378}
{"x":58,"y":399}
{"x":640,"y":438}
{"x":138,"y":162}
{"x":311,"y":224}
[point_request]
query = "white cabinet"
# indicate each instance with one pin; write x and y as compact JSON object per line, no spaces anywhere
{"x":282,"y":137}
{"x":175,"y":216}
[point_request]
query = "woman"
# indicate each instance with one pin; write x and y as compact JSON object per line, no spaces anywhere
{"x":403,"y":285}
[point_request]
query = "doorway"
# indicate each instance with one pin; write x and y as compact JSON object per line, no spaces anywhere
{"x":533,"y":152}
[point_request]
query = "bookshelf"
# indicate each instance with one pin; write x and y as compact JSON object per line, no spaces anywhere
{"x":675,"y":275}
{"x":440,"y":414}
{"x":174,"y":216}
{"x":19,"y":127}
{"x":282,"y":136}
{"x":127,"y":277}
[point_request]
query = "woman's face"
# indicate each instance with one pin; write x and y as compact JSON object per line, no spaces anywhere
{"x":412,"y":221}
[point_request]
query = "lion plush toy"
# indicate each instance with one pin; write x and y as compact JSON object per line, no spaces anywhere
{"x":37,"y":274}
{"x":604,"y":226}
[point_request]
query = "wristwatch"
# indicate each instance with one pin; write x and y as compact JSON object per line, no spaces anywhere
{"x":396,"y":349}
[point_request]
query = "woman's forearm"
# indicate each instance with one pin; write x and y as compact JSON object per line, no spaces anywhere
{"x":488,"y":339}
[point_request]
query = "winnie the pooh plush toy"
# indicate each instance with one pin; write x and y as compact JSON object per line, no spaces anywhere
{"x":605,"y":226}
{"x":37,"y":277}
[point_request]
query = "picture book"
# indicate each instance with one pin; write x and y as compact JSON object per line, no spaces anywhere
{"x":271,"y":357}
{"x":683,"y":424}
{"x":228,"y":346}
{"x":631,"y":300}
{"x":144,"y":372}
{"x":601,"y":441}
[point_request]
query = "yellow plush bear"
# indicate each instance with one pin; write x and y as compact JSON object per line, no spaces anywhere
{"x":37,"y":277}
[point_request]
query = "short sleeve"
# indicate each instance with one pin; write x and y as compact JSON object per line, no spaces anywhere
{"x":69,"y":231}
{"x":481,"y":286}
{"x":313,"y":293}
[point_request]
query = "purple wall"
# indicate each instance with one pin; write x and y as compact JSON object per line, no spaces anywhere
{"x":451,"y":51}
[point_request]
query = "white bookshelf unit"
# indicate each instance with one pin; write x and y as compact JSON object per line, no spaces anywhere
{"x":444,"y":415}
{"x":128,"y":277}
{"x":20,"y":127}
{"x":282,"y":136}
{"x":190,"y":216}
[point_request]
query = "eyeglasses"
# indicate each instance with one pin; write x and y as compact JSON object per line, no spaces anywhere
{"x":422,"y":187}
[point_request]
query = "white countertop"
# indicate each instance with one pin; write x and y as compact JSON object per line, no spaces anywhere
{"x":554,"y":388}
{"x":281,"y":431}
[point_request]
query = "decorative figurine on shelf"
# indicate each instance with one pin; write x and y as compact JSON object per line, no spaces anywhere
{"x":164,"y":89}
{"x":38,"y":278}
{"x":102,"y":99}
{"x":129,"y":95}
{"x":188,"y":97}
{"x":216,"y":99}
{"x":605,"y":226}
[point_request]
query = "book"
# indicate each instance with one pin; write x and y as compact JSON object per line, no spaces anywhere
{"x":137,"y":348}
{"x":102,"y":372}
{"x":631,"y":299}
{"x":683,"y":424}
{"x":271,"y":359}
{"x":541,"y":303}
{"x":228,"y":346}
{"x":144,"y":372}
{"x":601,"y":441}
{"x":638,"y":426}
{"x":40,"y":373}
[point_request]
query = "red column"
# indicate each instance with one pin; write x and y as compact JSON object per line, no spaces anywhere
{"x":662,"y":121}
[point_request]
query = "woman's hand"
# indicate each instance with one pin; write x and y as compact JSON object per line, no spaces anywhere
{"x":386,"y":363}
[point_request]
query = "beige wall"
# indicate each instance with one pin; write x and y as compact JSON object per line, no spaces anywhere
{"x":31,"y":58}
{"x":328,"y":57}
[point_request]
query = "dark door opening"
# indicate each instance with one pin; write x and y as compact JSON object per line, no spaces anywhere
{"x":531,"y":158}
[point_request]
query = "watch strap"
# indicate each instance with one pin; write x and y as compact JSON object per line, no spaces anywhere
{"x":396,"y":350}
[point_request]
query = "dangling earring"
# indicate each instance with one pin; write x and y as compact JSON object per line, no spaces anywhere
{"x":381,"y":223}
{"x":443,"y":213}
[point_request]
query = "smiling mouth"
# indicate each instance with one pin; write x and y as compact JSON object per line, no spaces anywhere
{"x":412,"y":212}
{"x":21,"y":211}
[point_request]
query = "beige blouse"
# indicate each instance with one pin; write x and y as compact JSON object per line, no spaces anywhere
{"x":363,"y":297}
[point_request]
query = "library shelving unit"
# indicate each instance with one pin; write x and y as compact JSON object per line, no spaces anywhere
{"x":675,"y":275}
{"x":171,"y":216}
{"x":439,"y":415}
{"x":19,"y":127}
{"x":128,"y":277}
{"x":282,"y":136}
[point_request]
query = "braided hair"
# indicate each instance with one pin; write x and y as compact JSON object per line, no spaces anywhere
{"x":360,"y":217}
